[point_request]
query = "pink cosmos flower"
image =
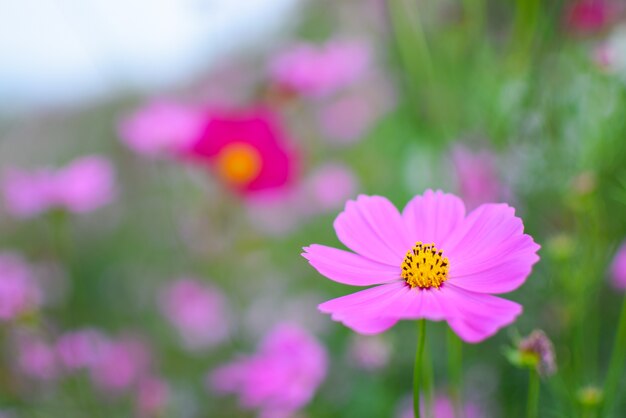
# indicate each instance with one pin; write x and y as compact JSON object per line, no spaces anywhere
{"x":152,"y":397}
{"x":280,"y":378}
{"x":370,"y":352}
{"x":84,"y":185}
{"x":120,"y":364}
{"x":442,"y":408}
{"x":247,"y":150}
{"x":161,"y":128}
{"x":80,"y":349}
{"x":477,"y":176}
{"x":618,"y":268}
{"x":320,"y":70}
{"x":19,"y":292}
{"x":35,"y":358}
{"x":589,"y":16}
{"x":329,"y":186}
{"x":197,"y":311}
{"x":431,"y":261}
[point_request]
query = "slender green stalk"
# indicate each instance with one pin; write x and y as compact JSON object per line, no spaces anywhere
{"x":455,"y":372}
{"x":533,"y":394}
{"x":417,"y":368}
{"x":615,"y":372}
{"x":524,"y":29}
{"x":427,"y":381}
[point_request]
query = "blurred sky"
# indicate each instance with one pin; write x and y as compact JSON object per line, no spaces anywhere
{"x":56,"y":52}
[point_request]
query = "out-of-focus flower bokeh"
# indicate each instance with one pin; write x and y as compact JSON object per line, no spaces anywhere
{"x":163,"y":163}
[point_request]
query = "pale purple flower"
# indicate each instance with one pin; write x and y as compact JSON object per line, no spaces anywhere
{"x":152,"y":397}
{"x":80,"y":349}
{"x":477,"y":176}
{"x":618,"y":268}
{"x":162,"y":128}
{"x":280,"y":378}
{"x":539,"y":345}
{"x":120,"y":364}
{"x":442,"y":408}
{"x":320,"y":70}
{"x":370,"y":352}
{"x":19,"y":292}
{"x":329,"y":186}
{"x":86,"y":184}
{"x":197,"y":310}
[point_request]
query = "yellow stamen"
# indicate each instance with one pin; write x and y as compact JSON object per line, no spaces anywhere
{"x":238,"y":163}
{"x":424,"y":266}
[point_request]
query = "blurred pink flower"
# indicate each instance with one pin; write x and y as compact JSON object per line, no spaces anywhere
{"x":19,"y":292}
{"x":370,"y":352}
{"x":589,"y":16}
{"x":477,"y":176}
{"x":35,"y":358}
{"x":152,"y":397}
{"x":84,"y":185}
{"x":161,"y":128}
{"x":247,"y":150}
{"x":197,"y":310}
{"x":442,"y":408}
{"x":80,"y":349}
{"x":280,"y":378}
{"x":120,"y":364}
{"x":329,"y":186}
{"x":347,"y":119}
{"x":618,"y":268}
{"x":320,"y":70}
{"x":432,"y":261}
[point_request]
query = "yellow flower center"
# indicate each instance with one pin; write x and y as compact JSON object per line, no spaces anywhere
{"x":424,"y":266}
{"x":238,"y":163}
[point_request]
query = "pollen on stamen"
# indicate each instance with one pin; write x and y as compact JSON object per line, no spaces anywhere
{"x":424,"y":266}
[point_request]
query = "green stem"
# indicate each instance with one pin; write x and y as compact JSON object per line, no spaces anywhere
{"x":533,"y":394}
{"x":417,"y":368}
{"x":524,"y":29}
{"x":616,"y":364}
{"x":455,"y":372}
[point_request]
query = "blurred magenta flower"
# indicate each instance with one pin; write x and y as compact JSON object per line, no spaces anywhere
{"x":19,"y":292}
{"x":370,"y":352}
{"x":589,"y":16}
{"x":35,"y":358}
{"x":320,"y":70}
{"x":477,"y":176}
{"x":431,"y":261}
{"x":618,"y":268}
{"x":329,"y":185}
{"x":247,"y":150}
{"x":280,"y":378}
{"x":80,"y":349}
{"x":198,"y":312}
{"x":152,"y":397}
{"x":442,"y":408}
{"x":120,"y":364}
{"x":84,"y":185}
{"x":161,"y":128}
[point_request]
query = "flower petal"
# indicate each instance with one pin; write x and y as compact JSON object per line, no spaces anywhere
{"x":372,"y":227}
{"x":490,"y":252}
{"x":432,"y":217}
{"x":478,"y":316}
{"x":349,"y":268}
